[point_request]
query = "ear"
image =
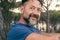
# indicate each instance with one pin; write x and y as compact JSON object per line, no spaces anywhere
{"x":21,"y":9}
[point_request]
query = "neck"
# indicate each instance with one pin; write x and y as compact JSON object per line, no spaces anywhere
{"x":22,"y":21}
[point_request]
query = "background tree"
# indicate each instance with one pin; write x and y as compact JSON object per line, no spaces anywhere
{"x":46,"y":7}
{"x":5,"y":5}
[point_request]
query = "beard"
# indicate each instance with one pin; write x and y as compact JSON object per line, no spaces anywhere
{"x":28,"y":21}
{"x":32,"y":22}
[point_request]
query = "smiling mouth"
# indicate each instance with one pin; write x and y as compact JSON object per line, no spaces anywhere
{"x":34,"y":15}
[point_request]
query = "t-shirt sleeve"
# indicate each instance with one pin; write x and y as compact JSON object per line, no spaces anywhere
{"x":18,"y":33}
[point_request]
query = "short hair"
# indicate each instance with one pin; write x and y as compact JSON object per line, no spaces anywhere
{"x":23,"y":1}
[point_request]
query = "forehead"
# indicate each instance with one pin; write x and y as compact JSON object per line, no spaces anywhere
{"x":34,"y":3}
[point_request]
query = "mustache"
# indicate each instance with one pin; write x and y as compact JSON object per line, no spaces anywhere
{"x":34,"y":15}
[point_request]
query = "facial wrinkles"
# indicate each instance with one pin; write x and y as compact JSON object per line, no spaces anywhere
{"x":36,"y":4}
{"x":26,"y":9}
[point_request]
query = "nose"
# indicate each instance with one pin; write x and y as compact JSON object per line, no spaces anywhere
{"x":35,"y":10}
{"x":36,"y":13}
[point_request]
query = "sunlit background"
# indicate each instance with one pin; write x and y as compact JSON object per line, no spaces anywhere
{"x":55,"y":5}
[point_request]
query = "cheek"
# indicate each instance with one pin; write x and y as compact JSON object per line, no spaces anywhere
{"x":27,"y":12}
{"x":39,"y":17}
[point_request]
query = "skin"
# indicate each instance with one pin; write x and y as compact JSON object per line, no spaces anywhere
{"x":32,"y":6}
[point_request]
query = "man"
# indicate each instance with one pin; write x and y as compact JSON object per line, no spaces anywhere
{"x":24,"y":30}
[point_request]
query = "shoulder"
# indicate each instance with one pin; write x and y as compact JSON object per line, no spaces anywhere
{"x":16,"y":26}
{"x":18,"y":29}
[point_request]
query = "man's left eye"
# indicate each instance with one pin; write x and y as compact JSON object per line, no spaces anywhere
{"x":31,"y":8}
{"x":39,"y":9}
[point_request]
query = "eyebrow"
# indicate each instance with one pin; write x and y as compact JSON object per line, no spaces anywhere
{"x":35,"y":7}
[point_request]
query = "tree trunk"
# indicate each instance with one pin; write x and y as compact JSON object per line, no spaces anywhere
{"x":2,"y":33}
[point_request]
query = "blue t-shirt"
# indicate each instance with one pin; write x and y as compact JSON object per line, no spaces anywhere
{"x":20,"y":31}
